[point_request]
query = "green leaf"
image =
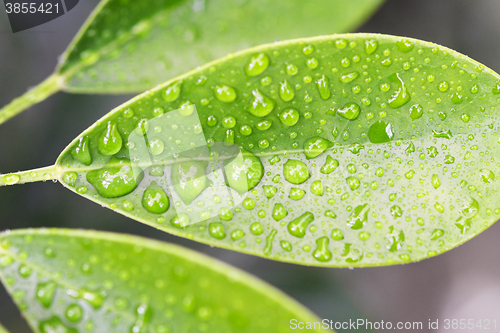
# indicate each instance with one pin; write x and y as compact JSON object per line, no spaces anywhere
{"x":396,"y":163}
{"x":75,"y":281}
{"x":3,"y":329}
{"x":130,"y":46}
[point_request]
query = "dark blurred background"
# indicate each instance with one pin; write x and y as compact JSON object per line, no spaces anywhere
{"x":461,"y":284}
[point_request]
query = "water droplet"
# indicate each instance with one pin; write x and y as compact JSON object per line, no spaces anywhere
{"x":289,"y":116}
{"x":435,"y":181}
{"x":404,"y":45}
{"x":349,"y":111}
{"x":317,"y":188}
{"x":256,"y":228}
{"x":11,"y":179}
{"x":437,"y":233}
{"x":269,"y":191}
{"x":487,"y":175}
{"x":322,"y":253}
{"x":286,"y":91}
{"x":443,"y":86}
{"x":249,"y":203}
{"x":380,"y":132}
{"x":225,"y":93}
{"x":172,"y":92}
{"x":216,"y":230}
{"x":264,"y":125}
{"x":298,"y":226}
{"x":225,"y":214}
{"x":363,"y":235}
{"x":245,"y":130}
{"x":315,"y":146}
{"x":330,"y":165}
{"x":237,"y":234}
{"x":286,"y":245}
{"x":337,"y":234}
{"x":81,"y":152}
{"x":396,"y":211}
{"x":296,"y":193}
{"x":323,"y":89}
{"x":70,"y":178}
{"x":396,"y":239}
{"x":269,"y":241}
{"x":110,"y":141}
{"x":117,"y":178}
{"x":401,"y":96}
{"x":312,"y":63}
{"x":45,"y":293}
{"x":156,"y":146}
{"x":156,"y":171}
{"x":189,"y":179}
{"x":211,"y":121}
{"x":359,"y":217}
{"x":468,"y":212}
{"x":228,"y":122}
{"x":74,"y":313}
{"x":291,"y":69}
{"x":296,"y":172}
{"x":370,"y":46}
{"x":257,"y":65}
{"x":346,"y":78}
{"x":180,"y":221}
{"x":416,"y":111}
{"x":261,"y":105}
{"x":155,"y":200}
{"x":279,"y":212}
{"x":457,"y":98}
{"x":244,"y":172}
{"x":6,"y":260}
{"x":353,"y":182}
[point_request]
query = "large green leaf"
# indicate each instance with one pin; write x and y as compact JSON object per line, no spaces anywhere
{"x":358,"y":150}
{"x":130,"y":46}
{"x":86,"y":281}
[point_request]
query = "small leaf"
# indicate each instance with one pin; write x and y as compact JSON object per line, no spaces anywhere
{"x":119,"y":283}
{"x":371,"y":176}
{"x":131,"y":46}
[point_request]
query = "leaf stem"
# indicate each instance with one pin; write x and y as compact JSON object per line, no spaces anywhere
{"x":29,"y":176}
{"x":46,"y":88}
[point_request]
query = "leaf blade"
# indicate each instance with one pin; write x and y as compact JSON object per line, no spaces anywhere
{"x":3,"y":329}
{"x":363,"y":177}
{"x":224,"y":26}
{"x":138,"y":283}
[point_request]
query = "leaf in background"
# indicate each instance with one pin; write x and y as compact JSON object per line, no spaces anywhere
{"x":80,"y":281}
{"x":3,"y":330}
{"x":356,"y":150}
{"x":130,"y":46}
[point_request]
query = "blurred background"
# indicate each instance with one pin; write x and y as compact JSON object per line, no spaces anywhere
{"x":461,"y":284}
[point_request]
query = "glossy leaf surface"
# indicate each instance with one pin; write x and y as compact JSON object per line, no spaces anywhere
{"x":129,"y":46}
{"x":356,"y":150}
{"x":87,"y":281}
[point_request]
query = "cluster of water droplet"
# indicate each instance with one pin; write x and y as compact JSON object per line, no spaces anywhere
{"x":349,"y":151}
{"x":66,"y":282}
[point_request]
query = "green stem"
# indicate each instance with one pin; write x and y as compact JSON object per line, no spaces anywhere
{"x":30,"y":176}
{"x":46,"y":88}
